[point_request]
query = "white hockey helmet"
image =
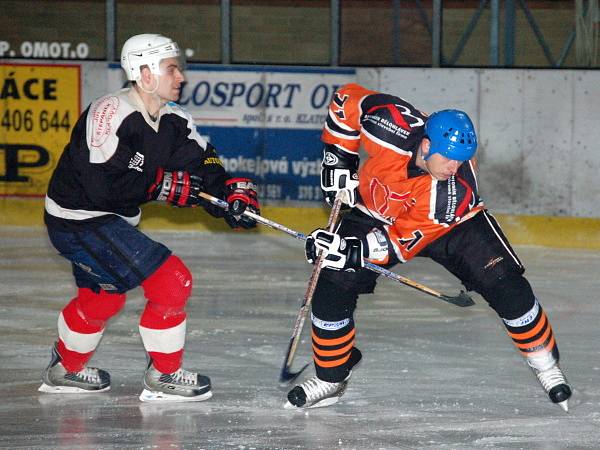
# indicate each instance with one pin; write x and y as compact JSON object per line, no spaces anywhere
{"x":146,"y":50}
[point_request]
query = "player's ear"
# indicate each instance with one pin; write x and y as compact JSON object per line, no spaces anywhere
{"x":146,"y":77}
{"x":425,"y":146}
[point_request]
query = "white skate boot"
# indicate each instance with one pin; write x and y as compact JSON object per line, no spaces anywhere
{"x":179,"y":386}
{"x":555,"y":384}
{"x":57,"y":380}
{"x":315,"y":393}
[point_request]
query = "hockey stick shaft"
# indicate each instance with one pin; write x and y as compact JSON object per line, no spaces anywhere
{"x":459,"y":300}
{"x":286,"y":375}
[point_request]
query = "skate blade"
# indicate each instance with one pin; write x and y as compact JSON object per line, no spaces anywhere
{"x":325,"y":402}
{"x":47,"y":389}
{"x":564,"y":405}
{"x":150,"y":396}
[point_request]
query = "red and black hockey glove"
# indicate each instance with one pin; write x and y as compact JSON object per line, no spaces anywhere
{"x":241,"y":195}
{"x":177,"y":188}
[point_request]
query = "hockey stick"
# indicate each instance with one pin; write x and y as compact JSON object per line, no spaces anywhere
{"x":286,"y":375}
{"x":462,"y":299}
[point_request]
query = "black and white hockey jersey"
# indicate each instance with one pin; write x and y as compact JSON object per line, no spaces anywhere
{"x":113,"y":156}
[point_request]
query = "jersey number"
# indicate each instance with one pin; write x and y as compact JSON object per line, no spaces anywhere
{"x":339,"y":101}
{"x":411,"y":242}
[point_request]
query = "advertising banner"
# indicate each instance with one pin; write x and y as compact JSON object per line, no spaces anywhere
{"x":39,"y":104}
{"x":265,"y":122}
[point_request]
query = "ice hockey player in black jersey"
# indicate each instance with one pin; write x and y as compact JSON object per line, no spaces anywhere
{"x":130,"y":147}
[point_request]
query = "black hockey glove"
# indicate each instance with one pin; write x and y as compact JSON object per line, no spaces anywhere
{"x":339,"y":171}
{"x":340,"y":253}
{"x":241,"y":195}
{"x":178,"y":188}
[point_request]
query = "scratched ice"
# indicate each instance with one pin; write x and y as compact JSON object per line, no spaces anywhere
{"x":433,"y":375}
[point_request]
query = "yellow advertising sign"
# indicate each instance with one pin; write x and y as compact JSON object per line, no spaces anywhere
{"x":39,"y":105}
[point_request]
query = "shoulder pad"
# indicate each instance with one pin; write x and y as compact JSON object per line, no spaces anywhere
{"x":104,"y":118}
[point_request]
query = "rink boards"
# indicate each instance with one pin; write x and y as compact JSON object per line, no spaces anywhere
{"x":560,"y":232}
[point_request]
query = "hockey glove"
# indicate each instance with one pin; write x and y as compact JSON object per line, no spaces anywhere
{"x":339,"y":171}
{"x":339,"y":253}
{"x":240,"y":194}
{"x":177,"y":188}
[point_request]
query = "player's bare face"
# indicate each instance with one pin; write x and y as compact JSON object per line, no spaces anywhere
{"x":442,"y":168}
{"x":170,"y":80}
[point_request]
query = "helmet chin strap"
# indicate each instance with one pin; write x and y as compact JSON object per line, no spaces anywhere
{"x":153,"y":101}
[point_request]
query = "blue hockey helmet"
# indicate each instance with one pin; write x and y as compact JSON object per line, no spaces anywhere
{"x":452,"y":135}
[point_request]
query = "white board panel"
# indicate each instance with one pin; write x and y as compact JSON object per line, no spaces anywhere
{"x":501,"y":128}
{"x":434,"y":89}
{"x":585,"y":152}
{"x":547,"y":136}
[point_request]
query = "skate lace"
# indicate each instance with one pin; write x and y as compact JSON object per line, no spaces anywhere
{"x":551,"y":377}
{"x":315,"y":388}
{"x":89,"y":375}
{"x":185,"y":377}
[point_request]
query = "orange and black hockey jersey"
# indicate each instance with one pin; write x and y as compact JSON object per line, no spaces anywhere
{"x":417,"y":208}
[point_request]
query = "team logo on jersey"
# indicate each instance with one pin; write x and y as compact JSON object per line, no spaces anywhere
{"x":387,"y":202}
{"x":136,"y":162}
{"x":103,"y":112}
{"x":329,"y":159}
{"x":398,"y":114}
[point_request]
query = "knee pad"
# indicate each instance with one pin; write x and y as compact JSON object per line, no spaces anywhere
{"x":511,"y":296}
{"x":99,"y":307}
{"x":170,"y":286}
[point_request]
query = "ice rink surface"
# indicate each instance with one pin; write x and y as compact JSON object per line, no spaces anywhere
{"x":433,"y":375}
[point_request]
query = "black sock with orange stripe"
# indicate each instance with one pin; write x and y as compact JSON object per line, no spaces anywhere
{"x":533,"y":336}
{"x":334,"y":354}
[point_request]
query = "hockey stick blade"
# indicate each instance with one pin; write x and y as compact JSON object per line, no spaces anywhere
{"x":463,"y":299}
{"x":286,"y":376}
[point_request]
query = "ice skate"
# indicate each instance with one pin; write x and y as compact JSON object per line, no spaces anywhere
{"x":57,"y":380}
{"x":179,"y":386}
{"x":315,"y":393}
{"x":555,"y":384}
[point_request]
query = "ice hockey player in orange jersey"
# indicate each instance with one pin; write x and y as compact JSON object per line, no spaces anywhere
{"x":415,"y":194}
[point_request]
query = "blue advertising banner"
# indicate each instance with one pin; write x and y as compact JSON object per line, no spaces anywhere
{"x":265,"y":122}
